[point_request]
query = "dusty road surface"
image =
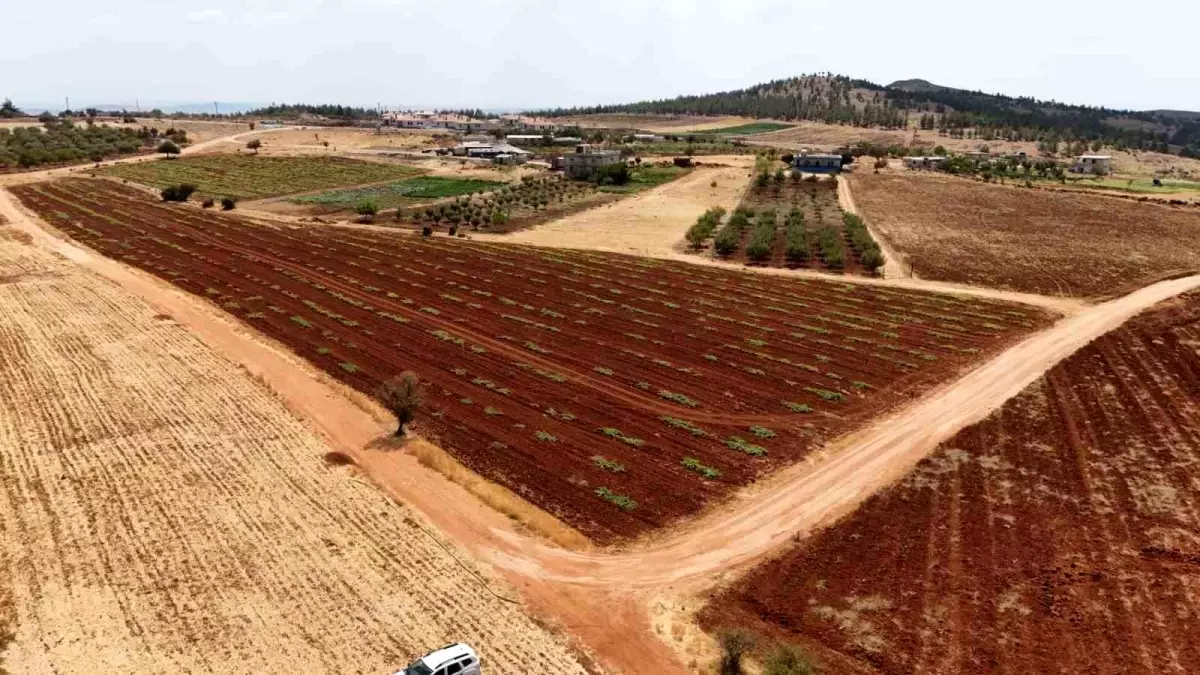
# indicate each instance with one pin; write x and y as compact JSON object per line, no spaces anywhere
{"x":893,"y":266}
{"x":161,"y":511}
{"x":650,"y":223}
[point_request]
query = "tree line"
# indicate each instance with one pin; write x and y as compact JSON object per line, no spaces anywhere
{"x":62,"y":141}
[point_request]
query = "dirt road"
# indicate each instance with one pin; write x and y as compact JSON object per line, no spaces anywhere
{"x":792,"y":503}
{"x":893,"y":266}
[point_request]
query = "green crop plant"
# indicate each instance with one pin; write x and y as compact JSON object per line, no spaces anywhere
{"x":602,"y":370}
{"x":492,"y":412}
{"x":763,"y":432}
{"x":693,"y":464}
{"x":683,"y":424}
{"x":617,"y":434}
{"x":797,"y":407}
{"x":545,"y":437}
{"x":825,"y":394}
{"x":742,"y":445}
{"x":349,"y":367}
{"x":621,"y":501}
{"x":608,"y":464}
{"x":677,"y":398}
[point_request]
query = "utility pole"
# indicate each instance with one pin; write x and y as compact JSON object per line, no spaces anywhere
{"x":68,"y":103}
{"x":216,"y":109}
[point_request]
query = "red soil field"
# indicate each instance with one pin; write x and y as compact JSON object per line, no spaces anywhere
{"x":572,"y":378}
{"x":1060,"y":535}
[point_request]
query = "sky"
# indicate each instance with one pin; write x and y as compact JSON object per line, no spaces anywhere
{"x":522,"y":54}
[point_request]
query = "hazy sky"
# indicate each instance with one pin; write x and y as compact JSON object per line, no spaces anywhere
{"x":532,"y":53}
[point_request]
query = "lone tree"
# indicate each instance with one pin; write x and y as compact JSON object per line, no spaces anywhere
{"x":403,"y":395}
{"x":8,"y":110}
{"x":168,"y":148}
{"x":254,"y":145}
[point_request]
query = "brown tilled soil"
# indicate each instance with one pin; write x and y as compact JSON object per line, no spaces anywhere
{"x":1037,"y":241}
{"x":568,"y":377}
{"x":162,"y":512}
{"x":1061,"y":534}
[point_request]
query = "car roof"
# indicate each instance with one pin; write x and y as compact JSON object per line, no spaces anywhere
{"x":439,"y":657}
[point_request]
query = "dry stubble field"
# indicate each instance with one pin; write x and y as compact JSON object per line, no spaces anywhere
{"x":1061,"y":534}
{"x":162,"y":512}
{"x":1054,"y":243}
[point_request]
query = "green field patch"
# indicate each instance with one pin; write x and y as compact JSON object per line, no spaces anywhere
{"x":254,"y":177}
{"x":645,"y":178}
{"x":400,"y":193}
{"x":747,"y":129}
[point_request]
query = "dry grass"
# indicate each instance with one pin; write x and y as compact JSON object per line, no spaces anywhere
{"x":1037,"y":241}
{"x":498,"y":497}
{"x":162,"y":512}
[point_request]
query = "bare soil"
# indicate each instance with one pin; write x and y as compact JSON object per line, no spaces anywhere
{"x":1058,"y":535}
{"x":1035,"y":241}
{"x":652,"y":222}
{"x":162,"y":511}
{"x":538,"y":362}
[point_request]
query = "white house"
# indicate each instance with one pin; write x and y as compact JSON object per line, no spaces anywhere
{"x":931,"y":162}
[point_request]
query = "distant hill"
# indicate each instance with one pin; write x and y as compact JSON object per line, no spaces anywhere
{"x":958,"y":113}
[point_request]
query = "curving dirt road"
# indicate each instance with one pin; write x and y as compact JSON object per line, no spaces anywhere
{"x":595,"y":594}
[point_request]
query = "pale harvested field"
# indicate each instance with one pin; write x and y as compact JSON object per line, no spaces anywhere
{"x":659,"y":124}
{"x":1035,"y":241}
{"x":651,"y":223}
{"x":311,"y":140}
{"x":819,"y":134}
{"x":162,"y":512}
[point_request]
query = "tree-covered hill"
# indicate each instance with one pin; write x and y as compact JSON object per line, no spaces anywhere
{"x":956,"y":112}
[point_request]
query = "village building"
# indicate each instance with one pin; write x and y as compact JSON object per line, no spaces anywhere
{"x":817,"y":163}
{"x":1100,"y":165}
{"x":586,"y":161}
{"x":924,"y":163}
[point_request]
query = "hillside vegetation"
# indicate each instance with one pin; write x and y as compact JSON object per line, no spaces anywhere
{"x":58,"y":142}
{"x":837,"y":99}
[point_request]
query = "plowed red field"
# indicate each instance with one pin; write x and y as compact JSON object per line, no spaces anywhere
{"x":1060,"y":535}
{"x":576,"y":379}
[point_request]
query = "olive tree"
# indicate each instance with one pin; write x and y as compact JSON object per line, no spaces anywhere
{"x":402,"y":395}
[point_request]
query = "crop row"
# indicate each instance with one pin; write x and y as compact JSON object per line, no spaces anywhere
{"x":540,"y":361}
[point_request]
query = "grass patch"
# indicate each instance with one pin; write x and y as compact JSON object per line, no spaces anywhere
{"x":253,"y":177}
{"x":400,"y":193}
{"x":746,"y":129}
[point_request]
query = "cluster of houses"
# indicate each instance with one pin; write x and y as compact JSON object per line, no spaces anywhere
{"x":581,"y":162}
{"x":1099,"y":165}
{"x":428,"y":119}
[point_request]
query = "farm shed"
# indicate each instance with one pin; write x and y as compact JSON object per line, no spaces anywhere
{"x":818,"y":163}
{"x":931,"y":162}
{"x":1094,"y":164}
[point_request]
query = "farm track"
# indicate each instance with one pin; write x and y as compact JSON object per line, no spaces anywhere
{"x":708,"y":546}
{"x":161,"y":511}
{"x":259,"y":265}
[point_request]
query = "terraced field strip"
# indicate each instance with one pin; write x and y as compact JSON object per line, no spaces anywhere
{"x":400,"y":193}
{"x":1061,"y":534}
{"x":253,"y":177}
{"x":162,"y":512}
{"x":586,"y":382}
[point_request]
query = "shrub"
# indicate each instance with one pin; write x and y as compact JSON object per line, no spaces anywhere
{"x":228,"y":203}
{"x":734,"y":645}
{"x":168,"y":148}
{"x":366,"y":208}
{"x":254,"y":145}
{"x":612,"y":174}
{"x":207,"y":203}
{"x":705,"y":225}
{"x":788,"y":659}
{"x":403,"y":395}
{"x":177,"y":193}
{"x":426,"y":231}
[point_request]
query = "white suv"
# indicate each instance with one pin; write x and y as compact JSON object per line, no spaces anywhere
{"x":455,"y":659}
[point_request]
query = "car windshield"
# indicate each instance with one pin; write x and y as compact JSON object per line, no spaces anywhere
{"x":417,"y":668}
